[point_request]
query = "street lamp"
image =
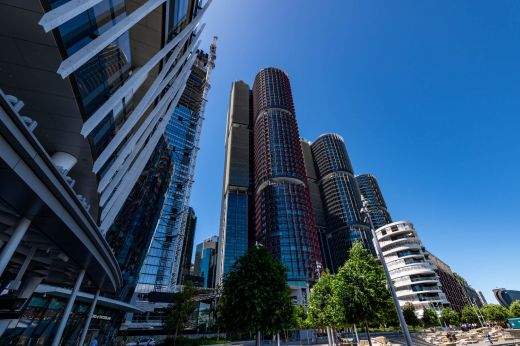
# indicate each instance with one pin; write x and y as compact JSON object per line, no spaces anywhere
{"x":402,"y":321}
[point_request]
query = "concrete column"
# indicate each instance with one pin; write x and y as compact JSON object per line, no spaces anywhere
{"x":89,"y":317}
{"x":15,"y":284}
{"x":13,"y":242}
{"x":68,"y":309}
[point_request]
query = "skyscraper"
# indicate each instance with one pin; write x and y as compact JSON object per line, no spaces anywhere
{"x":206,"y":260}
{"x":235,"y":220}
{"x":284,"y":220}
{"x":163,"y":261}
{"x":341,"y":199}
{"x":187,"y":246}
{"x":376,"y":203}
{"x":88,"y":145}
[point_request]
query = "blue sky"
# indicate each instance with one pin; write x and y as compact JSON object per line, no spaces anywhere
{"x":426,"y":95}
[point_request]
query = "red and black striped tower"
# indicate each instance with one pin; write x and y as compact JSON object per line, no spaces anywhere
{"x":284,"y":220}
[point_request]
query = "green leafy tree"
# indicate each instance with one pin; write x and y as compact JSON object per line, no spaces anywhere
{"x":300,"y":319}
{"x":360,"y":288}
{"x":322,"y":310}
{"x":387,"y":317}
{"x":515,"y":308}
{"x":255,"y":296}
{"x":469,"y":314}
{"x":429,"y":318}
{"x":450,"y":317}
{"x":410,"y":316}
{"x":180,"y":310}
{"x":495,"y":313}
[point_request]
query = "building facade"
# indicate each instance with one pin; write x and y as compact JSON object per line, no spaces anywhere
{"x":341,"y":199}
{"x":121,"y":69}
{"x":454,"y":291}
{"x":284,"y":220}
{"x":206,"y":261}
{"x":187,"y":246}
{"x":163,"y":261}
{"x":410,"y":267}
{"x":236,"y":224}
{"x":506,"y":297}
{"x":376,"y":203}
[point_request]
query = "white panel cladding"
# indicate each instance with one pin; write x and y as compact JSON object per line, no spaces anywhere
{"x":76,"y":60}
{"x":122,"y":194}
{"x":143,"y":133}
{"x":65,"y":12}
{"x":153,"y":92}
{"x":80,"y":57}
{"x":131,"y":145}
{"x":138,"y":78}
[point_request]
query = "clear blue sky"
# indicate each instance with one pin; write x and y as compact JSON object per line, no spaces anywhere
{"x":426,"y":95}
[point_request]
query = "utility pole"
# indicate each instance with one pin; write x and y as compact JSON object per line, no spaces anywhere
{"x":402,"y":321}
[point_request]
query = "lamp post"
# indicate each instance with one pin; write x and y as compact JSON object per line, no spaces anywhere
{"x":402,"y":321}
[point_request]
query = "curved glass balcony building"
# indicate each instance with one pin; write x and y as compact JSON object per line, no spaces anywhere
{"x":341,"y":199}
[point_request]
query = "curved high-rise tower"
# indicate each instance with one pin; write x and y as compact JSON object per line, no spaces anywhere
{"x":376,"y":203}
{"x":341,"y":199}
{"x":284,"y":220}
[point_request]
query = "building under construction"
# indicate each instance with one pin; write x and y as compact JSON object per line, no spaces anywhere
{"x":163,"y":264}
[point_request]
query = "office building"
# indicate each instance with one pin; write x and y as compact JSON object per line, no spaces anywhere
{"x":160,"y":271}
{"x":206,"y":261}
{"x":236,"y":225}
{"x":376,"y":203}
{"x":187,"y":246}
{"x":341,"y":199}
{"x":450,"y":285}
{"x":109,"y":74}
{"x":317,"y":203}
{"x":470,"y":293}
{"x":411,"y":269}
{"x":482,"y":299}
{"x":506,"y":297}
{"x":284,"y":220}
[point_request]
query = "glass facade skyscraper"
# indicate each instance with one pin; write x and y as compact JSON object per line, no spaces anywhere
{"x":284,"y":220}
{"x":376,"y":203}
{"x":163,"y":262}
{"x":235,"y":221}
{"x":341,"y":200}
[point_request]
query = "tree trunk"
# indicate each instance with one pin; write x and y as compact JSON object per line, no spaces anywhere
{"x":277,"y":339}
{"x":329,"y":339}
{"x":175,"y":337}
{"x":368,"y":334}
{"x":286,"y":338}
{"x":357,"y":336}
{"x":258,"y":337}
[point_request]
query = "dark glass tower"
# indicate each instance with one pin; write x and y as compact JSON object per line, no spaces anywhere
{"x":376,"y":203}
{"x":187,"y":245}
{"x":341,"y":199}
{"x":235,"y":222}
{"x":284,"y":220}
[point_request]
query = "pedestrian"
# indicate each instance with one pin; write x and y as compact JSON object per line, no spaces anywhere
{"x":489,"y":338}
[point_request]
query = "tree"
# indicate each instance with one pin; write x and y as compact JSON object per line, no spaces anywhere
{"x":300,"y":318}
{"x":515,"y":308}
{"x":409,"y":315}
{"x":469,"y":314}
{"x":323,"y":312}
{"x":495,"y":313}
{"x":255,"y":296}
{"x":429,"y":318}
{"x":450,"y":317}
{"x":179,"y":311}
{"x":360,"y":288}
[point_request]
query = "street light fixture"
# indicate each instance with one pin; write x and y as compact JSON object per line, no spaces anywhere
{"x":402,"y":321}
